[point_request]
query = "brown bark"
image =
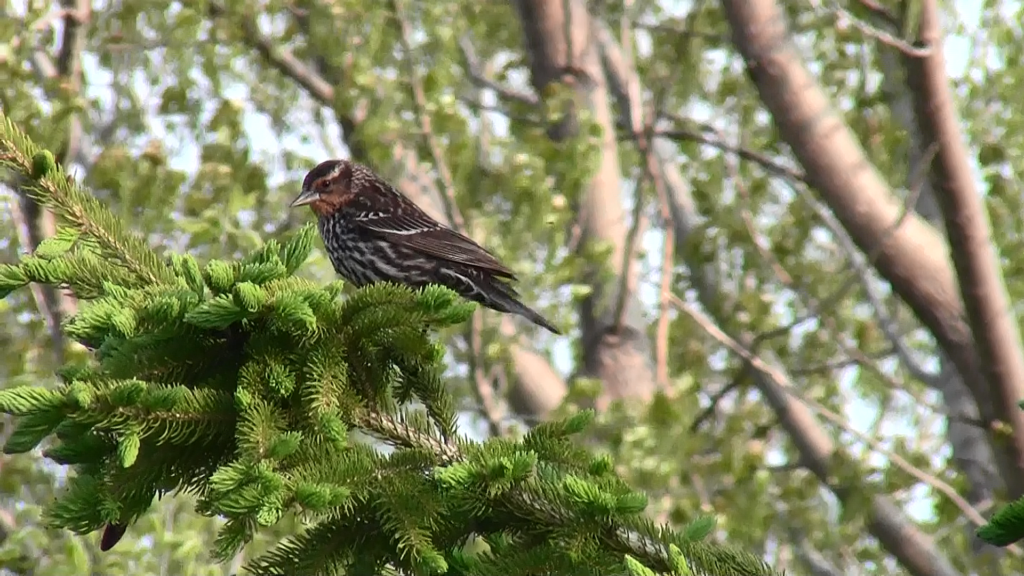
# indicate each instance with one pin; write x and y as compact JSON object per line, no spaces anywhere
{"x":989,"y":313}
{"x":561,"y":45}
{"x":907,"y":252}
{"x":972,"y":454}
{"x":529,"y":396}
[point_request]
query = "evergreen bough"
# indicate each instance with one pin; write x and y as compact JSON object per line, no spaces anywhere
{"x":242,"y":384}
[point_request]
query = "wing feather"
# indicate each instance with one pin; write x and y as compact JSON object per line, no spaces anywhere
{"x":412,"y":228}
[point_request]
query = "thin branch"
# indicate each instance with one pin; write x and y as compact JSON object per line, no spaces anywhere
{"x":882,"y":13}
{"x":475,"y":71}
{"x":717,"y":397}
{"x":860,"y":273}
{"x":281,"y":59}
{"x":886,"y":322}
{"x":671,"y":26}
{"x":481,"y":384}
{"x":856,"y":356}
{"x":830,"y":366}
{"x":629,"y":259}
{"x":51,"y":315}
{"x":772,"y":166}
{"x":419,"y":97}
{"x":664,"y":291}
{"x":844,"y":19}
{"x":831,"y":300}
{"x":780,"y":380}
{"x":33,"y":221}
{"x":642,"y":134}
{"x":815,"y":561}
{"x":482,"y":381}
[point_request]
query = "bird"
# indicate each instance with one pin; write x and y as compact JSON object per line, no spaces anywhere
{"x":373,"y":233}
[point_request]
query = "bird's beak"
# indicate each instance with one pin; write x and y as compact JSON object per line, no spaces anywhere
{"x":304,"y":198}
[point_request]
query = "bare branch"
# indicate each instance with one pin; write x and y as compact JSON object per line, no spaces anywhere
{"x":475,"y":71}
{"x":661,"y":333}
{"x":816,"y":562}
{"x":51,"y":315}
{"x":624,"y":83}
{"x":420,"y":102}
{"x":34,"y":222}
{"x":770,"y":165}
{"x":641,"y":131}
{"x":832,"y":299}
{"x":281,"y":59}
{"x":845,"y":18}
{"x":913,"y":548}
{"x":733,"y":385}
{"x":882,"y":13}
{"x":862,"y":273}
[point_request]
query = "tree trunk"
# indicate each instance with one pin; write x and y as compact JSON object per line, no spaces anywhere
{"x":562,"y":47}
{"x":987,"y":305}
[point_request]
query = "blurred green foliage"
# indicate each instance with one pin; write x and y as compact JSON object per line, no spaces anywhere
{"x":199,"y":139}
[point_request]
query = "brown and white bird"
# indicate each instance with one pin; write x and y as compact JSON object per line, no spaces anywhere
{"x":375,"y":234}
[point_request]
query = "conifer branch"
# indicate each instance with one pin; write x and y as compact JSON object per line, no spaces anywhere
{"x":243,"y":385}
{"x":52,"y":188}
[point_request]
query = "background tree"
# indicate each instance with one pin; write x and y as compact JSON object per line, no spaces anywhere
{"x":766,"y":221}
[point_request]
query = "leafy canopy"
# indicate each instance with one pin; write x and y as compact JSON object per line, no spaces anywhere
{"x":242,"y":384}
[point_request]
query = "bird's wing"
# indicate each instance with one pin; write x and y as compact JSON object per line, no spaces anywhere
{"x":414,"y":229}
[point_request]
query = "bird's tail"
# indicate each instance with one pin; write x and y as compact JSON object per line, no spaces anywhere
{"x":112,"y":534}
{"x":505,"y":298}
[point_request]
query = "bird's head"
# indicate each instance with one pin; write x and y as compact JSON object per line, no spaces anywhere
{"x":327,"y":188}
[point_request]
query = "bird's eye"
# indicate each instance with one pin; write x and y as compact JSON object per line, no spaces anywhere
{"x":321,"y":184}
